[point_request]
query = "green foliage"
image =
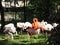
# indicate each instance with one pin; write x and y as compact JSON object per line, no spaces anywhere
{"x":44,"y":9}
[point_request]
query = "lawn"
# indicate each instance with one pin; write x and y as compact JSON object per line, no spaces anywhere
{"x":24,"y":39}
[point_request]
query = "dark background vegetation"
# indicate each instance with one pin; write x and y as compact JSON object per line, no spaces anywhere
{"x":42,"y":9}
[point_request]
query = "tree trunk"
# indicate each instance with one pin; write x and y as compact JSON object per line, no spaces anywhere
{"x":24,"y":12}
{"x":2,"y":16}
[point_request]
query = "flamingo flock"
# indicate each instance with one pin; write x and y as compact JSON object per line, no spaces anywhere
{"x":10,"y":28}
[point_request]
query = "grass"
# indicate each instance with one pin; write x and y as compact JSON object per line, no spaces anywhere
{"x":24,"y":39}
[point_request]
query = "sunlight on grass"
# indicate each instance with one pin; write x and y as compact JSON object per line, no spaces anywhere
{"x":23,"y":39}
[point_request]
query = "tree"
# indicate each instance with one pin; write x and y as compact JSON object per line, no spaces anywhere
{"x":2,"y":16}
{"x":44,"y":9}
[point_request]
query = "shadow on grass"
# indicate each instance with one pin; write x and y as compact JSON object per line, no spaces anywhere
{"x":7,"y":42}
{"x":4,"y":42}
{"x":54,"y":39}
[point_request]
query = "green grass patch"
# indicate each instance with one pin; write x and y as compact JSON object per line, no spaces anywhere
{"x":23,"y":39}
